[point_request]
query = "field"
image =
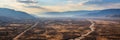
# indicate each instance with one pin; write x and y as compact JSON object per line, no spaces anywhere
{"x":62,"y":29}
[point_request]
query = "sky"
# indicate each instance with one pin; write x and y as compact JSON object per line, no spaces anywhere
{"x":39,"y":6}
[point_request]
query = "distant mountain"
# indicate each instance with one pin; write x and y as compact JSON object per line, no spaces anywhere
{"x":105,"y":13}
{"x":8,"y":15}
{"x":68,"y":13}
{"x":85,"y":13}
{"x":114,"y":16}
{"x":6,"y":19}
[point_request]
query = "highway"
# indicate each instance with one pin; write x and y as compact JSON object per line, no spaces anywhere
{"x":19,"y":35}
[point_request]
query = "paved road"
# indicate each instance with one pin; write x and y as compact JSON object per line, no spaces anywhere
{"x":84,"y":35}
{"x":19,"y":35}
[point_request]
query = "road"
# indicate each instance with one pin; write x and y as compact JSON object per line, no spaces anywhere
{"x":18,"y":36}
{"x":92,"y":27}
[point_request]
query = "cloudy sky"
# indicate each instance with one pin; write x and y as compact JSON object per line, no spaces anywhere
{"x":39,"y":6}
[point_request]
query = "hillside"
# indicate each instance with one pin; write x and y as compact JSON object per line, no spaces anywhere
{"x":7,"y":15}
{"x":105,"y":13}
{"x":4,"y":12}
{"x":86,"y":13}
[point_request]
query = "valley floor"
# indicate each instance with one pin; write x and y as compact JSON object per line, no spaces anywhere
{"x":62,"y":29}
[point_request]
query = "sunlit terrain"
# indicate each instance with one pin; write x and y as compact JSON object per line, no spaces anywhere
{"x":62,"y":29}
{"x":59,"y":19}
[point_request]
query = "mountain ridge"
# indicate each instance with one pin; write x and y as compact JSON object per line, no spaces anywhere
{"x":9,"y":15}
{"x":5,"y":12}
{"x":94,"y":13}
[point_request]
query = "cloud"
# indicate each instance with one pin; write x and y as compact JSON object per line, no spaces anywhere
{"x":102,"y":2}
{"x":71,"y":5}
{"x":28,"y":2}
{"x":37,"y":6}
{"x":29,"y":7}
{"x":105,"y":4}
{"x":31,"y":4}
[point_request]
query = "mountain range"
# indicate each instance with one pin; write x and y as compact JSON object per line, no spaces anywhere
{"x":10,"y":15}
{"x":106,"y":13}
{"x":85,"y":13}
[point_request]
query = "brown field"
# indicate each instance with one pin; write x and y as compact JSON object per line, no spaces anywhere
{"x":62,"y":29}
